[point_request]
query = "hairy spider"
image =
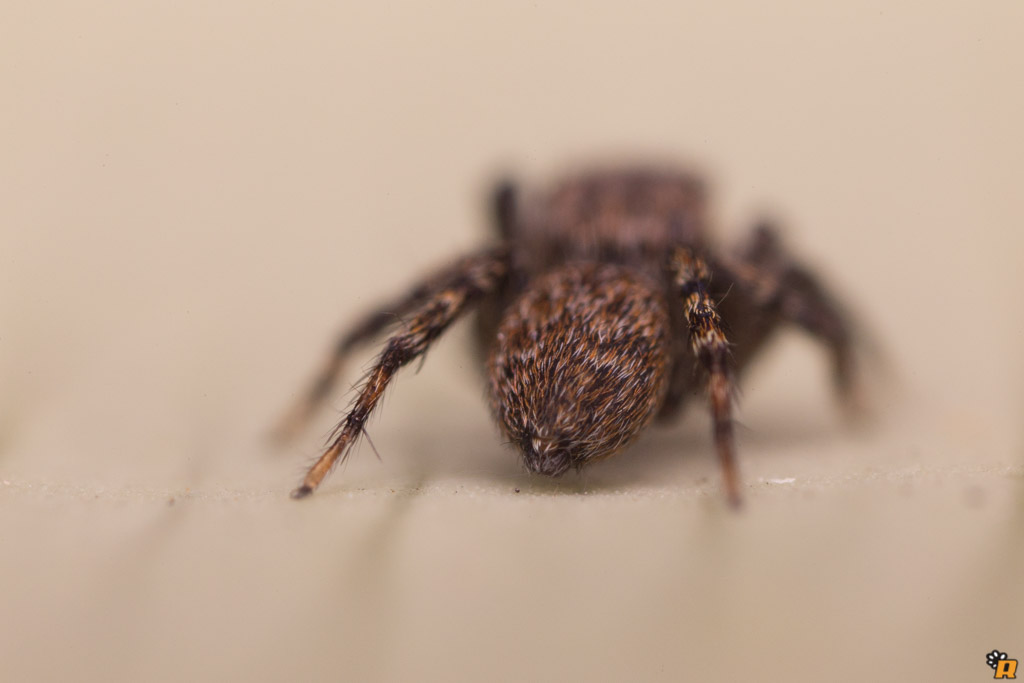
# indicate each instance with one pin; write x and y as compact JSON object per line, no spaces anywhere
{"x":597,"y":312}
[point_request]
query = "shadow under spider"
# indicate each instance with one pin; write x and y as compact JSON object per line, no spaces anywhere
{"x":665,"y":455}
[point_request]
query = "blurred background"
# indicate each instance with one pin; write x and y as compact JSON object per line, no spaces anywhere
{"x":196,"y":197}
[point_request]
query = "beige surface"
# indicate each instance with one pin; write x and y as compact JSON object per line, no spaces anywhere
{"x":195,"y":198}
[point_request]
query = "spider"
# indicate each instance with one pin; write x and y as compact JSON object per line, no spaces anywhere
{"x":596,"y":314}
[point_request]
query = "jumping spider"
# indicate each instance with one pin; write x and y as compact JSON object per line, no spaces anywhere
{"x":597,"y":312}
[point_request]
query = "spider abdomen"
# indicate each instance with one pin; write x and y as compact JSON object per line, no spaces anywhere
{"x":580,"y":364}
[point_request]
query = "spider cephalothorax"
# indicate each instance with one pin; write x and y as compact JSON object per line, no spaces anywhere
{"x":597,"y":312}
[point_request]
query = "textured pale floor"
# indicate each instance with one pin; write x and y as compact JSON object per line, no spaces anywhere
{"x":195,"y":199}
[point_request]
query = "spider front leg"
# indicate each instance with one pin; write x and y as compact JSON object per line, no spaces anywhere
{"x":709,"y":345}
{"x":786,"y":291}
{"x":443,"y":303}
{"x":367,"y":329}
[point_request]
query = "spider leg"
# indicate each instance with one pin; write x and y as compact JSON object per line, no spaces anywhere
{"x":791,"y":293}
{"x":370,"y":326}
{"x":709,"y":345}
{"x":503,"y":208}
{"x":472,"y":278}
